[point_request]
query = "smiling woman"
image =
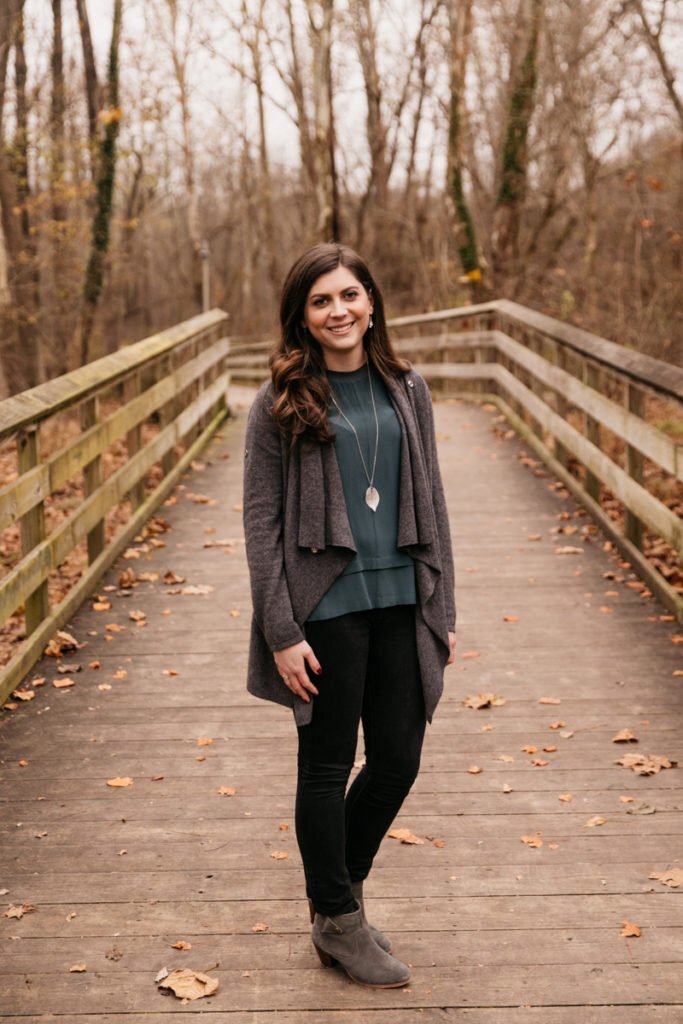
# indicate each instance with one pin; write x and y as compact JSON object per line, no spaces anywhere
{"x":352,"y":582}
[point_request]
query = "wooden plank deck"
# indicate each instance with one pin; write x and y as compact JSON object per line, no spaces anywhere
{"x":497,"y":932}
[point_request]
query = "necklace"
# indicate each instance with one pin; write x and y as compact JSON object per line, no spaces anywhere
{"x":371,"y":494}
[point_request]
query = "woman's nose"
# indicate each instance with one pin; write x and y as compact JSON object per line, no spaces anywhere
{"x":338,"y":307}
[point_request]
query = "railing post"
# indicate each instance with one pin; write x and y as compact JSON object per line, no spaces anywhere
{"x":36,"y":605}
{"x":92,"y":477}
{"x":592,"y":376}
{"x":558,"y":356}
{"x":634,"y":399}
{"x":132,"y":387}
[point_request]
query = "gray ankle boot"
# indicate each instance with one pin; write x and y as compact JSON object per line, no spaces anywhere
{"x":346,"y":940}
{"x":382,"y":941}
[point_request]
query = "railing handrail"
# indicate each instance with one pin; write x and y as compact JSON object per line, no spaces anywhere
{"x":663,"y":377}
{"x":43,"y":401}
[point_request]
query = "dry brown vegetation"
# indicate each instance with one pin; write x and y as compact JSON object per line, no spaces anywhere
{"x":466,"y":151}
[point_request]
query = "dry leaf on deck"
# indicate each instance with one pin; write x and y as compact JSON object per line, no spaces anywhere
{"x":673,"y":877}
{"x":630,"y":930}
{"x":137,"y":615}
{"x":63,"y":684}
{"x":538,"y":762}
{"x":24,"y":694}
{"x":625,"y":736}
{"x":181,"y":944}
{"x":566,"y":798}
{"x":406,"y":836}
{"x":484,"y":700}
{"x":645,"y":764}
{"x":595,"y":821}
{"x":534,"y":841}
{"x":260,"y":926}
{"x":226,"y":791}
{"x":61,"y":644}
{"x":118,"y":783}
{"x":549,"y":700}
{"x":204,"y":741}
{"x":172,"y":578}
{"x":557,"y":725}
{"x":529,"y":749}
{"x":77,"y":968}
{"x":187,"y":984}
{"x":201,"y":588}
{"x":279,"y":854}
{"x":18,"y":911}
{"x":474,"y":769}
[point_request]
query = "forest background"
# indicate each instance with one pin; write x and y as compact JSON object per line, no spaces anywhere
{"x":468,"y":148}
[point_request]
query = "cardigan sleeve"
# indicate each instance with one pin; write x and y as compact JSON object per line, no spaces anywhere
{"x":263,"y":527}
{"x":438,"y":496}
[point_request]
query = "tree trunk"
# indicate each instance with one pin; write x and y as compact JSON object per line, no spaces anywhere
{"x":94,"y":275}
{"x":326,"y":185}
{"x":92,"y":85}
{"x":460,"y":24}
{"x":512,"y":192}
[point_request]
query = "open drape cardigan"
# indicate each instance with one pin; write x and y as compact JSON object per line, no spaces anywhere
{"x":298,"y":538}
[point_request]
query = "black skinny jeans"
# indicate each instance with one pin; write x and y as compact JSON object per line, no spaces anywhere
{"x":370,"y":672}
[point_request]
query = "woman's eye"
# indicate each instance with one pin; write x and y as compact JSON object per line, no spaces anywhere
{"x":352,"y":294}
{"x":318,"y":302}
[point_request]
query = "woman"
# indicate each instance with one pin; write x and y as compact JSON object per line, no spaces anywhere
{"x":352,"y":582}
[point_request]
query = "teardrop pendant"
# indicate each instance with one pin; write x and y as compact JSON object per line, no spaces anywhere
{"x":372,"y":498}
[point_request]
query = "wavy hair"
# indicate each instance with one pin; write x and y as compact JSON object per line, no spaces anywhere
{"x":302,"y":390}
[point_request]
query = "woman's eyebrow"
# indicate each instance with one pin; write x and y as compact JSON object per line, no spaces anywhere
{"x":326,"y":295}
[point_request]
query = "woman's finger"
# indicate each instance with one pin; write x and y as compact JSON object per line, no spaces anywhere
{"x":313,"y":661}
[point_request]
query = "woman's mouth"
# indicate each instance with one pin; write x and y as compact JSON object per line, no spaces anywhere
{"x":341,"y":328}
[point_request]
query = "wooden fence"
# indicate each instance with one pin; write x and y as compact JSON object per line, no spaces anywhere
{"x":573,"y":397}
{"x":160,"y":400}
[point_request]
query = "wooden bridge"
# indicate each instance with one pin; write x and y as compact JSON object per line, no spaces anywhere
{"x":147,"y":800}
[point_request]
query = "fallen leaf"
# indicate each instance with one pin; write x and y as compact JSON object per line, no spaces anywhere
{"x":550,"y":749}
{"x":200,"y":757}
{"x":101,"y":606}
{"x":114,"y":627}
{"x":567,"y":734}
{"x":673,"y":877}
{"x":643,"y":808}
{"x":260,"y":926}
{"x":71,"y":916}
{"x":283,"y":826}
{"x":65,"y":670}
{"x":505,"y":757}
{"x":137,"y":615}
{"x":119,"y":782}
{"x":568,"y":550}
{"x":557,"y":725}
{"x":181,"y":944}
{"x":484,"y":700}
{"x":23,"y":763}
{"x":487,"y":728}
{"x":157,"y":778}
{"x":534,"y":841}
{"x":63,"y":684}
{"x":61,"y":643}
{"x":566,"y":798}
{"x":235,"y":613}
{"x":625,"y":736}
{"x":148,"y":577}
{"x":172,"y":578}
{"x":94,"y":664}
{"x":202,"y":588}
{"x":474,"y":769}
{"x":24,"y":694}
{"x":170,"y":672}
{"x":645,"y":764}
{"x":553,"y":846}
{"x":538,"y":762}
{"x":471,"y":654}
{"x":507,"y":788}
{"x":187,"y":984}
{"x":627,"y":799}
{"x":226,"y":791}
{"x":18,"y":911}
{"x":120,"y":673}
{"x":104,"y":686}
{"x":549,"y":700}
{"x":127,"y":579}
{"x":529,"y":749}
{"x":595,"y":821}
{"x":77,"y":968}
{"x":279,"y":854}
{"x":510,"y":618}
{"x":630,"y":930}
{"x":204,"y":741}
{"x":406,"y":836}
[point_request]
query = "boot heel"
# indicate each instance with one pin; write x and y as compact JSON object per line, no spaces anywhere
{"x":325,"y":958}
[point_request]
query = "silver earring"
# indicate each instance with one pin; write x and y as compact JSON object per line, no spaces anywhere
{"x":371,"y":322}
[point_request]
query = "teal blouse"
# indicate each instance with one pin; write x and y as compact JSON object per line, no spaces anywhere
{"x":379,"y":575}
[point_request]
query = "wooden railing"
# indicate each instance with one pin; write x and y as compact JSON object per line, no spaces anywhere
{"x":152,"y":399}
{"x":572,"y":396}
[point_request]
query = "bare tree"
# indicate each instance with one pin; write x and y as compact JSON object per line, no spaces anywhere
{"x":94,"y":274}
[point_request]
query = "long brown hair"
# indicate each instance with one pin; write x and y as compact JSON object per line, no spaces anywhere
{"x":297,"y":366}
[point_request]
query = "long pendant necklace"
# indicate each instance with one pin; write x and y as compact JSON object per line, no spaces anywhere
{"x":371,"y":494}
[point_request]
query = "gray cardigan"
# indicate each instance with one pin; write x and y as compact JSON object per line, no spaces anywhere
{"x":298,"y":538}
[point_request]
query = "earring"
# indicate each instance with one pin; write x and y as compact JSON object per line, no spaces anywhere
{"x":371,"y":322}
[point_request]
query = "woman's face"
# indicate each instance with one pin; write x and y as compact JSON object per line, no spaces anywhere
{"x":337,"y":312}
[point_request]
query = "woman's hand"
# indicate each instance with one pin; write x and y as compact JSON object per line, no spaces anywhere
{"x":451,"y":641}
{"x":291,"y":664}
